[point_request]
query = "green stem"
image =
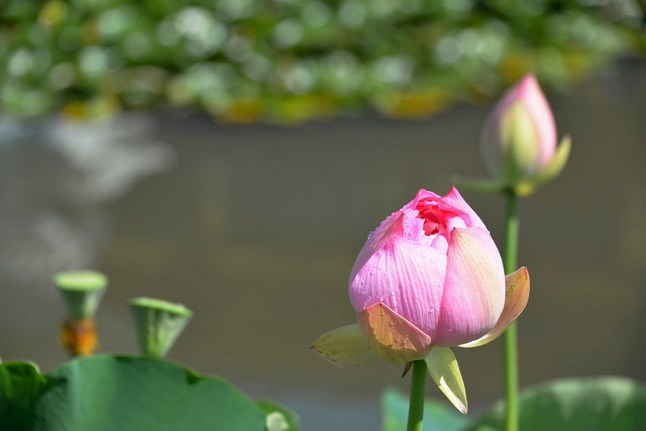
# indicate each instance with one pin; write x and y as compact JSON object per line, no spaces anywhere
{"x":511,"y":338}
{"x":417,"y":389}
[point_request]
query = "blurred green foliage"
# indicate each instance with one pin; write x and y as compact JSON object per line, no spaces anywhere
{"x":291,"y":60}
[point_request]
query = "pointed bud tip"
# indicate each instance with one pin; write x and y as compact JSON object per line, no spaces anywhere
{"x":529,"y":82}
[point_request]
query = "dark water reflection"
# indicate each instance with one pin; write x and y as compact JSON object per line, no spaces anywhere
{"x":256,"y":229}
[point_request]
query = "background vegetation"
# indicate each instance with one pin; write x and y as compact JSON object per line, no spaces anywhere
{"x":291,"y":60}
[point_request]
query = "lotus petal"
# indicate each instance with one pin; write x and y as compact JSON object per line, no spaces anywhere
{"x":394,"y":338}
{"x":474,"y":288}
{"x":516,"y":296}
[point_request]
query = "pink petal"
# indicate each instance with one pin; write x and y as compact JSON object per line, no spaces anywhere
{"x":529,"y":92}
{"x":454,"y":198}
{"x":394,"y":338}
{"x":516,"y":296}
{"x":474,"y":288}
{"x":407,"y":277}
{"x":392,"y":226}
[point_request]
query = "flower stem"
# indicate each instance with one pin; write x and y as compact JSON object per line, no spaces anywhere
{"x":511,"y":338}
{"x":417,"y":389}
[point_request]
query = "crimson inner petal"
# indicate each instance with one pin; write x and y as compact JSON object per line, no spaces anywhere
{"x":431,"y":227}
{"x":435,"y":215}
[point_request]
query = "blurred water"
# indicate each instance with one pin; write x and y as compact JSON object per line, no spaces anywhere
{"x":256,"y":228}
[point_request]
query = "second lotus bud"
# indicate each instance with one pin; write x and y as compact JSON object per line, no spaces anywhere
{"x":519,"y":139}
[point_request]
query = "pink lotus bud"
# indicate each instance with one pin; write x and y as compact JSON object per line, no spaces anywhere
{"x":434,"y":264}
{"x":428,"y":278}
{"x":518,"y":141}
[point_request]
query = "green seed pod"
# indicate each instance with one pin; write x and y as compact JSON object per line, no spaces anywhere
{"x":159,"y":323}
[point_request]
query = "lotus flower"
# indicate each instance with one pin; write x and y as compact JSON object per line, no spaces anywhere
{"x":518,"y":141}
{"x":428,"y":278}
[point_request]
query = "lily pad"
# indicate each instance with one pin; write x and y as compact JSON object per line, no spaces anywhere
{"x":581,"y":404}
{"x":129,"y":393}
{"x":102,"y":393}
{"x":20,"y":385}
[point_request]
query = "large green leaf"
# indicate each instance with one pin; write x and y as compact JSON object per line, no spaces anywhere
{"x":588,"y":404}
{"x":127,"y":393}
{"x":437,"y":415}
{"x":20,"y":385}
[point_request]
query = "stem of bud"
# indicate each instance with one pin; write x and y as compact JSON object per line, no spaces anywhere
{"x":511,"y":338}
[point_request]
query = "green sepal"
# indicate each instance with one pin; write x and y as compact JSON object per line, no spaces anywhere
{"x":159,"y":323}
{"x":549,"y":172}
{"x":522,"y":187}
{"x":481,"y":185}
{"x":344,"y":347}
{"x":82,"y":292}
{"x":445,"y":372}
